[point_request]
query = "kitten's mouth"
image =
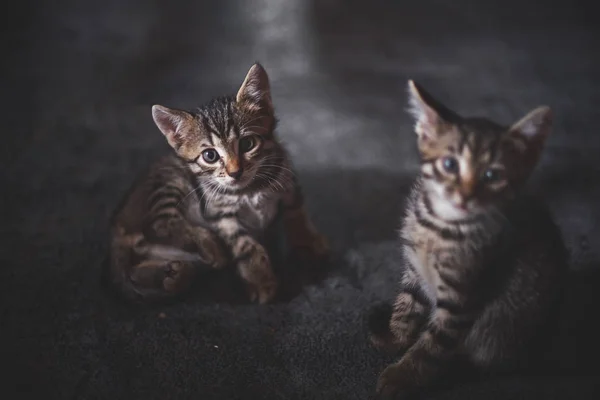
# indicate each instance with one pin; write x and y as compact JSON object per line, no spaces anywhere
{"x":460,"y":210}
{"x":235,"y":183}
{"x":461,"y":206}
{"x":464,"y":211}
{"x":451,"y":211}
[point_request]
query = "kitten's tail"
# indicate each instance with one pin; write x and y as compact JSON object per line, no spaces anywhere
{"x":148,"y":272}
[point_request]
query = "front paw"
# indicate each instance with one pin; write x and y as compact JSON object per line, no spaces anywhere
{"x":314,"y":249}
{"x":262,"y":292}
{"x":261,"y":283}
{"x":214,"y":253}
{"x":397,"y":381}
{"x":378,"y":321}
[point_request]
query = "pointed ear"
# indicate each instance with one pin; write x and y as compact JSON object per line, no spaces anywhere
{"x":429,"y":114}
{"x":176,"y":125}
{"x":527,"y":138}
{"x":255,"y":92}
{"x":534,"y":127}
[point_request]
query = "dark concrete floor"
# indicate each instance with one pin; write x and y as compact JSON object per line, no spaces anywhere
{"x":79,"y":80}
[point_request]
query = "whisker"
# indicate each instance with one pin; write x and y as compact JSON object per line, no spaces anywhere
{"x":209,"y":186}
{"x":187,"y":195}
{"x":277,"y":180}
{"x":212,"y":194}
{"x":280,"y":167}
{"x":248,"y":122}
{"x":253,"y":126}
{"x":270,"y":183}
{"x":281,"y":177}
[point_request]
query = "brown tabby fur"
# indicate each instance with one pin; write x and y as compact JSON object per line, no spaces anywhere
{"x":484,"y":262}
{"x":209,"y":203}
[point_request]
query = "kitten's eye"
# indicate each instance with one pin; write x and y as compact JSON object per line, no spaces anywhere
{"x":450,"y":164}
{"x":492,"y":175}
{"x":247,"y":143}
{"x":210,"y":155}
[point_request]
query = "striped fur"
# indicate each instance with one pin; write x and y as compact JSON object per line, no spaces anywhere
{"x":207,"y":205}
{"x":484,"y":263}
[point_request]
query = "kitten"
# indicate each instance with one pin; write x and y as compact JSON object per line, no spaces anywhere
{"x":209,"y":202}
{"x":484,"y":263}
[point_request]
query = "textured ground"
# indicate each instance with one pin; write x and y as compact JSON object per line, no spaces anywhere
{"x":80,"y":77}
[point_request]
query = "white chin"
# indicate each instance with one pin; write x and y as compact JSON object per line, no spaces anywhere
{"x":231,"y":183}
{"x":446,"y":211}
{"x":442,"y":207}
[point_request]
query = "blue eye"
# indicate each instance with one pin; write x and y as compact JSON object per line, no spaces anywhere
{"x":492,"y":175}
{"x":210,"y":156}
{"x":450,"y":164}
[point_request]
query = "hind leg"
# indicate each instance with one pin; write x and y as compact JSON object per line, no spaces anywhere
{"x":174,"y":277}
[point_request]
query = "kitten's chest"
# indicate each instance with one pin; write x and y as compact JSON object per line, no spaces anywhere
{"x":437,"y":260}
{"x":254,"y":212}
{"x":257,"y":211}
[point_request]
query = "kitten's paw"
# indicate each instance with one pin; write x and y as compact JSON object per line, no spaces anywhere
{"x":396,"y":382}
{"x":380,"y":335}
{"x":263,"y":292}
{"x":136,"y":241}
{"x":261,"y":282}
{"x":214,"y":253}
{"x":178,"y":276}
{"x":315,"y":249}
{"x":211,"y":249}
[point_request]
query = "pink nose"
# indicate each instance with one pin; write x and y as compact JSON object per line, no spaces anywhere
{"x":235,"y":174}
{"x":462,"y":204}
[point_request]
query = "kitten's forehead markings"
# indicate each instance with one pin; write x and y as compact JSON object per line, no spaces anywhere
{"x":486,"y":157}
{"x":465,"y":161}
{"x":214,"y":138}
{"x":207,"y":142}
{"x":475,"y":142}
{"x":208,"y":128}
{"x":232,"y":133}
{"x":466,"y":158}
{"x":466,"y":152}
{"x":228,"y":118}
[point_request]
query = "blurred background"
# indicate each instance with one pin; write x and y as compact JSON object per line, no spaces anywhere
{"x":79,"y":80}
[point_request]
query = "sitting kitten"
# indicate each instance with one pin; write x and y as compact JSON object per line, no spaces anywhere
{"x":211,"y":199}
{"x":484,"y":265}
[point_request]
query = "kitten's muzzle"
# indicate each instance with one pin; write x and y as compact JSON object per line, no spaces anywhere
{"x":235,"y":173}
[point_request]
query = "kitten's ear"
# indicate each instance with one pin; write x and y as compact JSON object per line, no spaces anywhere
{"x":530,"y":132}
{"x":429,"y":114}
{"x":534,"y":127}
{"x":176,"y":125}
{"x":528,"y":136}
{"x":255,"y":92}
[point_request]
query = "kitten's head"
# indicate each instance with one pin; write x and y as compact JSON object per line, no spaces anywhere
{"x":471,"y":165}
{"x":227,"y":140}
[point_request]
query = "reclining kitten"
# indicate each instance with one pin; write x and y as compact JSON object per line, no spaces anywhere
{"x":209,"y":202}
{"x":484,"y":264}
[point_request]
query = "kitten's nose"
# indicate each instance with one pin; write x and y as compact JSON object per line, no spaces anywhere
{"x":467,"y":189}
{"x":235,"y":174}
{"x":234,"y":168}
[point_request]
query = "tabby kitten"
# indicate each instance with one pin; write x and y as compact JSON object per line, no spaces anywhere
{"x":208,"y":203}
{"x":484,"y":263}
